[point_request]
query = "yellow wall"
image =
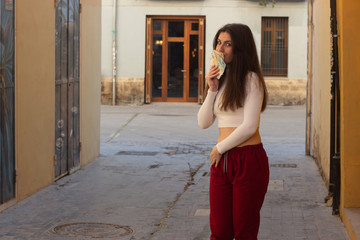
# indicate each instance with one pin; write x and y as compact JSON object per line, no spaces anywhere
{"x":348,"y":25}
{"x":90,"y":79}
{"x":320,"y":86}
{"x":34,"y":95}
{"x":35,"y":91}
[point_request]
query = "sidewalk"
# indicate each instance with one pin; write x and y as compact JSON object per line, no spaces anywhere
{"x":152,"y":177}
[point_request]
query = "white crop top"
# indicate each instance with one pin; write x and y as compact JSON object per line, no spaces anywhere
{"x":246,"y":119}
{"x":227,"y":118}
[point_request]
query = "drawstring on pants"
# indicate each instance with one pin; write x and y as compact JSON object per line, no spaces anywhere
{"x":225,"y":162}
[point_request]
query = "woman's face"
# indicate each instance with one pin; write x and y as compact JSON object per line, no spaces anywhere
{"x":224,"y":45}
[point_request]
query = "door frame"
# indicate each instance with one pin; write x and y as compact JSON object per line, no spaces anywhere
{"x":149,"y":62}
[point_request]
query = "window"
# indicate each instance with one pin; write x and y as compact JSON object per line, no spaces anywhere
{"x":274,"y":46}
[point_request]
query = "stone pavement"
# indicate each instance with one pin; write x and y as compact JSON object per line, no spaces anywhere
{"x":151,"y":182}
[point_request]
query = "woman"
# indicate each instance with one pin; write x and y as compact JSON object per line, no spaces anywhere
{"x":240,"y":169}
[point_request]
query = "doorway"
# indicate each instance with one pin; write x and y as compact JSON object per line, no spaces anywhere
{"x":67,"y":85}
{"x":174,"y":59}
{"x":7,"y":102}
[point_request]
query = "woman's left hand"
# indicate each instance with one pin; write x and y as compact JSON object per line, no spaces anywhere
{"x":215,"y":156}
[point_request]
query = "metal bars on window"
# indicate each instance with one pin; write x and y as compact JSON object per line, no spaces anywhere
{"x":67,"y":87}
{"x":274,"y":46}
{"x":7,"y":102}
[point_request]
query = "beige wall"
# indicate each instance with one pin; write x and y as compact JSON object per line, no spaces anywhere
{"x":286,"y":92}
{"x":35,"y":90}
{"x":90,"y":79}
{"x":320,"y":87}
{"x":129,"y":91}
{"x":34,"y":95}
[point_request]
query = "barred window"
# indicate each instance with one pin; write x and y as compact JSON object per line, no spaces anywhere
{"x":274,"y":46}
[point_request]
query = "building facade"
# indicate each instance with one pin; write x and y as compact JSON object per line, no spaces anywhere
{"x":333,"y":116}
{"x":49,"y":92}
{"x":160,"y":50}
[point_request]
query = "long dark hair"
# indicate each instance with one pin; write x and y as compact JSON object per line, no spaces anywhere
{"x":245,"y":60}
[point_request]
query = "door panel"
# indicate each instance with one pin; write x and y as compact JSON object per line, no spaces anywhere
{"x":67,"y":47}
{"x":194,"y":66}
{"x":174,"y":59}
{"x":176,"y":29}
{"x":73,"y":86}
{"x":175,"y":78}
{"x":7,"y":98}
{"x":157,"y":66}
{"x":61,"y":81}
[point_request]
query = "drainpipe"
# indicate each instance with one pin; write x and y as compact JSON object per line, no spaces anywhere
{"x":335,"y":115}
{"x":114,"y":33}
{"x":309,"y":81}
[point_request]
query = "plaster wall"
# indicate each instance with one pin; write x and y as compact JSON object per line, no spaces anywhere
{"x":34,"y":95}
{"x":320,"y":87}
{"x":90,"y":79}
{"x":348,"y":18}
{"x":349,"y":61}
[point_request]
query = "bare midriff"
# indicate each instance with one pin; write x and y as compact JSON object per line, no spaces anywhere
{"x":226,"y":131}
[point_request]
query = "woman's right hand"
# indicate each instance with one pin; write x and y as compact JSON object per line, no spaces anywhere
{"x":211,"y":78}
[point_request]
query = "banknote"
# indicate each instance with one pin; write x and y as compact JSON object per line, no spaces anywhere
{"x":217,"y":58}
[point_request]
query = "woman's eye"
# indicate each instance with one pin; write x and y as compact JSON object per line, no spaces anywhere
{"x":228,"y":44}
{"x":218,"y":43}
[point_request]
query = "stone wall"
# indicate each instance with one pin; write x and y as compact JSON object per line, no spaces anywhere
{"x":130,"y":91}
{"x":286,"y":92}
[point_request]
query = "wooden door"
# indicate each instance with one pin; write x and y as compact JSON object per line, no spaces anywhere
{"x":174,"y":59}
{"x":7,"y":102}
{"x":67,"y":81}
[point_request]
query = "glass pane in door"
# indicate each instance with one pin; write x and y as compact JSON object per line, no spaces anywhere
{"x":175,"y":81}
{"x":194,"y":66}
{"x":157,"y":26}
{"x":157,"y":65}
{"x":195,"y":26}
{"x":176,"y":28}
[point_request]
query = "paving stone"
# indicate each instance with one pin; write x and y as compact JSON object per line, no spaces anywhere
{"x":153,"y":176}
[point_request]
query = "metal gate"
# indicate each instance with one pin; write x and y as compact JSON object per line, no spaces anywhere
{"x":7,"y":84}
{"x":67,"y":76}
{"x":335,"y":148}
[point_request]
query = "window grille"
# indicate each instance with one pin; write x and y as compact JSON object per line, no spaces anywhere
{"x":274,"y":46}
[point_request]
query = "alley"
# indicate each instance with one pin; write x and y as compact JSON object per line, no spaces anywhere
{"x":151,"y":182}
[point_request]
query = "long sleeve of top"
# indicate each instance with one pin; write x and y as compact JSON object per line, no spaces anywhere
{"x":206,"y":115}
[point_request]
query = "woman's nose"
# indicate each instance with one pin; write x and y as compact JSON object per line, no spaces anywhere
{"x":220,"y":48}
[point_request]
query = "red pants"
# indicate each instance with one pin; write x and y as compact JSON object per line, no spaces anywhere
{"x":237,"y":191}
